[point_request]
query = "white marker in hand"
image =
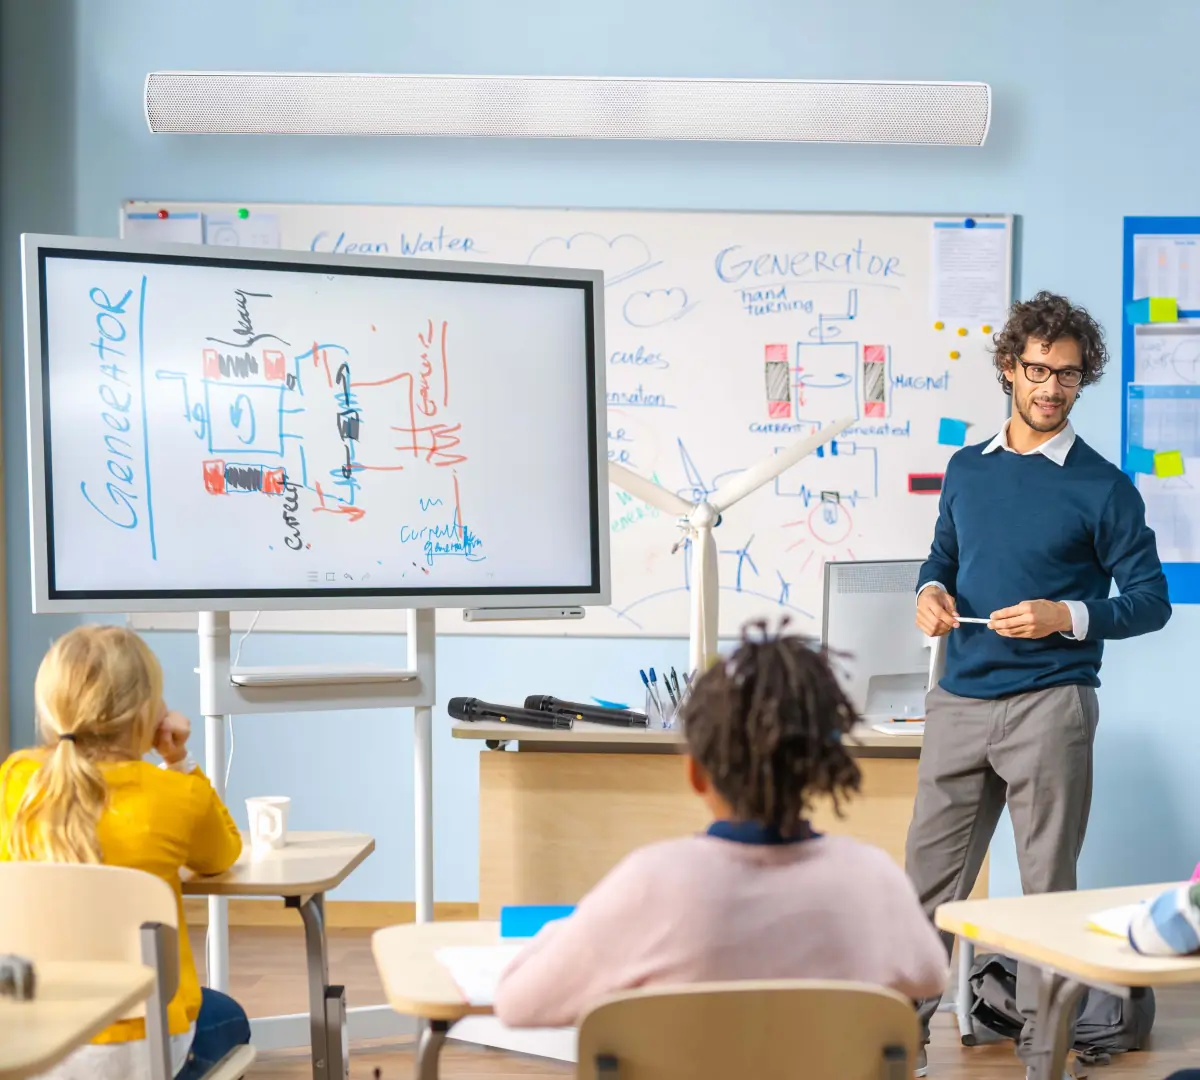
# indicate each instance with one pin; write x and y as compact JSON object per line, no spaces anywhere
{"x":962,"y":619}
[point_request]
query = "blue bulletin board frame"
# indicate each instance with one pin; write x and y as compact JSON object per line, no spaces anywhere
{"x":1183,"y":579}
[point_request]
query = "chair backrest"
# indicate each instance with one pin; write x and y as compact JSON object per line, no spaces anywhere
{"x":764,"y":1030}
{"x":71,"y":911}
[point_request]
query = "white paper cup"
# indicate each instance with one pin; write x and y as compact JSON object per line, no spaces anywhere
{"x":267,"y":816}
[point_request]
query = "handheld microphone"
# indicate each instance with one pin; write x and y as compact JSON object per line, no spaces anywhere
{"x":473,"y":710}
{"x":594,"y":714}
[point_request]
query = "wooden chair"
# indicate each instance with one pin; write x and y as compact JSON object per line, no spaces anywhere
{"x":795,"y":1029}
{"x":60,"y":911}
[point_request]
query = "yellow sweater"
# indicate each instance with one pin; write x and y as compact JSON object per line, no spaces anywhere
{"x":158,"y":821}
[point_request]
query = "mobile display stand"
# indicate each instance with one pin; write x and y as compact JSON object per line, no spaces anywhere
{"x":228,"y":691}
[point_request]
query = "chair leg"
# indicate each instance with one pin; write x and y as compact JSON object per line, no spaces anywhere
{"x":157,"y":943}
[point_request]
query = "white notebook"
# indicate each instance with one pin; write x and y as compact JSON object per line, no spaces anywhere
{"x":903,"y":727}
{"x":476,"y":969}
{"x":1114,"y":921}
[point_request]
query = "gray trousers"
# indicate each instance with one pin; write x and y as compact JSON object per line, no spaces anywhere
{"x":1032,"y":751}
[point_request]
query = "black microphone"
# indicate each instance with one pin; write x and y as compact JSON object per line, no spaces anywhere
{"x":595,"y":714}
{"x":472,"y":709}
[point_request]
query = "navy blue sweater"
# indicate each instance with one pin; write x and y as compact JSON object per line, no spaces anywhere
{"x":1015,"y":527}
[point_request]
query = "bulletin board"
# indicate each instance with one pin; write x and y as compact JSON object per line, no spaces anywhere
{"x":1160,"y":367}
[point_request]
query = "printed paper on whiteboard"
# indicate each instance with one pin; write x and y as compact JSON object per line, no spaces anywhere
{"x":970,"y":271}
{"x":175,"y":229}
{"x":256,"y":231}
{"x":1166,"y":354}
{"x":1173,"y":512}
{"x":1167,"y":266}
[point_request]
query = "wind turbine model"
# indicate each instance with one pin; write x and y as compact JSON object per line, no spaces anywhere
{"x":698,"y":519}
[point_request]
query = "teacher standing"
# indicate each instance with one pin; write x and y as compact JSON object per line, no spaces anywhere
{"x":1033,"y":529}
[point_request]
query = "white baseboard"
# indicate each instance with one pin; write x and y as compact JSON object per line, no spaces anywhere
{"x":368,"y":1022}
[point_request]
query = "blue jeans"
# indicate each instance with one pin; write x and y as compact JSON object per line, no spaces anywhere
{"x":221,"y":1025}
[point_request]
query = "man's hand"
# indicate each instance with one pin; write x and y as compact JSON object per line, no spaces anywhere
{"x":935,"y":612}
{"x":1032,"y":619}
{"x":171,"y":736}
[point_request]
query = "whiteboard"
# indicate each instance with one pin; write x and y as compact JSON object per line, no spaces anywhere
{"x":728,"y":335}
{"x":279,"y":430}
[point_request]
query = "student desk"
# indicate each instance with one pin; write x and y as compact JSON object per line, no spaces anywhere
{"x":75,"y":1002}
{"x":1050,"y":932}
{"x":307,"y":867}
{"x":416,"y":984}
{"x":562,"y":811}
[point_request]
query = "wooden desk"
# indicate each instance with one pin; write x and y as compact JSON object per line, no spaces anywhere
{"x":74,"y":1003}
{"x":301,"y":872}
{"x":416,"y":984}
{"x":311,"y":862}
{"x":1050,"y":932}
{"x":561,"y":812}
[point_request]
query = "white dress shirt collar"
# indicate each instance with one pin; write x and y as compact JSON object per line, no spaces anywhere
{"x":1056,"y":449}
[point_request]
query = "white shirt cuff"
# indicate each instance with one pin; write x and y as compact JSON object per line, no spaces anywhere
{"x":930,"y":585}
{"x":1079,"y":619}
{"x":185,"y":765}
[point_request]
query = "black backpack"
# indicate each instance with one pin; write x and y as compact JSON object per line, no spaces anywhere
{"x":1107,"y":1024}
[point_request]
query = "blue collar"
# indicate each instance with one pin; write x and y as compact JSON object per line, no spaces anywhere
{"x":751,"y":832}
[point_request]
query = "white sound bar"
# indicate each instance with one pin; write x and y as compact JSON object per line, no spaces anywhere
{"x":542,"y":107}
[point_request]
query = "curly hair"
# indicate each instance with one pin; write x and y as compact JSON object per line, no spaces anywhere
{"x":766,"y":726}
{"x":1049,"y":318}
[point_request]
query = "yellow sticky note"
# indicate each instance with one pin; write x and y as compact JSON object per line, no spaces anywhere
{"x":1164,"y":309}
{"x":1168,"y":463}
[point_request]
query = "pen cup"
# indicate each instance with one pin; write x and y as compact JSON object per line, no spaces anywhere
{"x":656,"y":717}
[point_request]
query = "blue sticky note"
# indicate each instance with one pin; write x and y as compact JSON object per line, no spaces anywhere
{"x":1137,"y":312}
{"x":952,"y":432}
{"x":525,"y":920}
{"x":1139,"y":459}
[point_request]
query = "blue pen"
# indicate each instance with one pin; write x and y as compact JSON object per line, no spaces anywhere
{"x":652,"y":691}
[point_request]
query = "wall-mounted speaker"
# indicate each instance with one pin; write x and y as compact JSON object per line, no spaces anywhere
{"x":537,"y":107}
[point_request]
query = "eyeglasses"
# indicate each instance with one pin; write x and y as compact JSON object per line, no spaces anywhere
{"x":1068,"y":378}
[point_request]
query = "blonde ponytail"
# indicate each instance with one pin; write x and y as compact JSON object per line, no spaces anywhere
{"x":98,"y":695}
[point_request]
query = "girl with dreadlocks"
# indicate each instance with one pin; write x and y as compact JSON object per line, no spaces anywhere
{"x":760,"y":895}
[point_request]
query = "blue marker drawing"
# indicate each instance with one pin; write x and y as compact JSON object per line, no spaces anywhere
{"x":145,"y":422}
{"x":849,"y":470}
{"x":699,"y":488}
{"x":827,"y":325}
{"x":620,"y":258}
{"x":656,"y":307}
{"x":236,"y":414}
{"x":743,"y":557}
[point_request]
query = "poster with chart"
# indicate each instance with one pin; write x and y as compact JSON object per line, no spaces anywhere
{"x":1161,"y":377}
{"x":728,"y":336}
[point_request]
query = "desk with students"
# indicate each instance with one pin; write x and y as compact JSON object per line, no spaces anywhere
{"x":559,"y":813}
{"x":301,"y":872}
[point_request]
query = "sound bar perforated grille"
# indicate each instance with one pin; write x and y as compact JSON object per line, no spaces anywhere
{"x":720,"y":110}
{"x":898,"y":577}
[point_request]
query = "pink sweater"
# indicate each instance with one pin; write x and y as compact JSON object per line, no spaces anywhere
{"x":703,"y":909}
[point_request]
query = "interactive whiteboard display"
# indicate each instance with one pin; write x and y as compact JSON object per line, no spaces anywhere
{"x":288,"y":430}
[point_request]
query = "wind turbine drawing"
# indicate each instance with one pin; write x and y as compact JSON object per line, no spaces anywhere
{"x":697,"y":520}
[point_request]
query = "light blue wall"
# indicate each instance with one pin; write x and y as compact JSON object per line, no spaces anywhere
{"x":1094,"y":111}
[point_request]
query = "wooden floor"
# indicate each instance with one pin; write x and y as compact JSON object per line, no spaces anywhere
{"x":267,"y":977}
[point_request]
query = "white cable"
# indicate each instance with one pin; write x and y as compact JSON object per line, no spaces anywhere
{"x":237,"y":659}
{"x":229,"y":756}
